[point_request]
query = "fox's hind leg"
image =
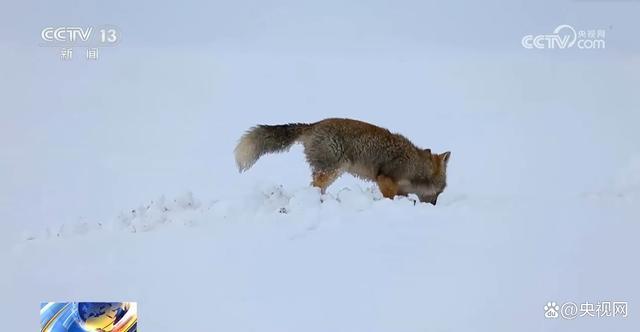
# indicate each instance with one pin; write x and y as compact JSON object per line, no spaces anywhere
{"x":388,"y":187}
{"x":323,"y":179}
{"x":324,"y":155}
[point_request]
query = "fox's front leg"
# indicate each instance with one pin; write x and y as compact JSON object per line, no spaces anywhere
{"x":388,"y":187}
{"x":323,"y":179}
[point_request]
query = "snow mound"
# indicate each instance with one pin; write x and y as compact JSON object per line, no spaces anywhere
{"x":266,"y":203}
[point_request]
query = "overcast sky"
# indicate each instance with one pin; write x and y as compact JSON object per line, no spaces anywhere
{"x":326,"y":26}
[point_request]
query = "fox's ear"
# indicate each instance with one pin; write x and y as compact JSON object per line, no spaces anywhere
{"x":428,"y":151}
{"x":445,"y":157}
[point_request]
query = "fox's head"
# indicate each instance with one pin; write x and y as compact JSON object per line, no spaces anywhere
{"x":430,"y":185}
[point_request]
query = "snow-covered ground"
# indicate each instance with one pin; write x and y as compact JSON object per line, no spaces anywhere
{"x":279,"y":260}
{"x":542,"y":204}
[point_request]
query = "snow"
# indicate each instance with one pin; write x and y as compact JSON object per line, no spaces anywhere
{"x":278,"y":260}
{"x":542,"y":203}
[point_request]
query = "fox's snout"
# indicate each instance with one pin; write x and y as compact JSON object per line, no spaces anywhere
{"x":425,"y":193}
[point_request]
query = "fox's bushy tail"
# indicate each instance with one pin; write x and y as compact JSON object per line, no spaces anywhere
{"x":263,"y":139}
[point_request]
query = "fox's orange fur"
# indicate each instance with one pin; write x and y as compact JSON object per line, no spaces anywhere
{"x":335,"y":146}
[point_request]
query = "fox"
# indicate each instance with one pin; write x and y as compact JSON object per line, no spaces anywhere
{"x":335,"y":146}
